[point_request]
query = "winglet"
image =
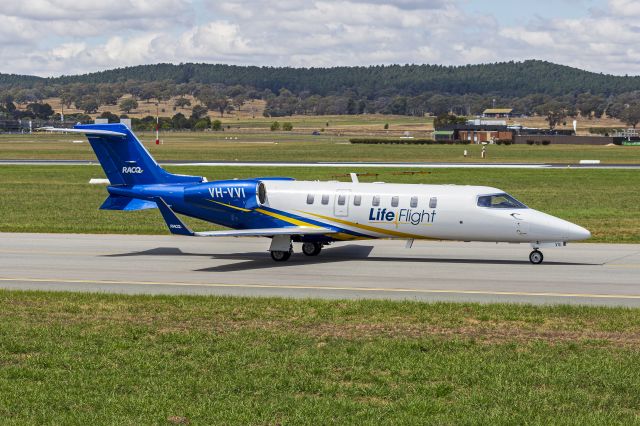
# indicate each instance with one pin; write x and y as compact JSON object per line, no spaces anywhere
{"x":175,"y":225}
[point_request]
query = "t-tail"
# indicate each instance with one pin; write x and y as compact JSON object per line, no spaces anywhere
{"x":125,"y":160}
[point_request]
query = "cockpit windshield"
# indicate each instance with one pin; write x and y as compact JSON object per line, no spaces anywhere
{"x":500,"y":201}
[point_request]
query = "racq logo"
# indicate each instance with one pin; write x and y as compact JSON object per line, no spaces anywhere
{"x":132,"y":170}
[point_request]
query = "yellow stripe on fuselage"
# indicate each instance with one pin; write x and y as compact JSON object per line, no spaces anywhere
{"x":368,"y":227}
{"x":288,"y":219}
{"x":230,"y":206}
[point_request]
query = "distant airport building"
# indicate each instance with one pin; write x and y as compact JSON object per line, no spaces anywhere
{"x":497,"y":113}
{"x":494,"y":131}
{"x":490,"y":131}
{"x":476,"y":131}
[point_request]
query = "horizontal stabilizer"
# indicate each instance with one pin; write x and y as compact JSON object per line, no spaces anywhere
{"x":117,"y":202}
{"x":267,"y":232}
{"x":87,"y":132}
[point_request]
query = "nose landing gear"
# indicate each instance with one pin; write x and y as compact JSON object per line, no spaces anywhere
{"x":536,"y":257}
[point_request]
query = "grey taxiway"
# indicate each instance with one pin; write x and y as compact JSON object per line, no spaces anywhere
{"x":599,"y":274}
{"x":315,"y":164}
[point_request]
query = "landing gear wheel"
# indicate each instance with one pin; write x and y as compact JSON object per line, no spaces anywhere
{"x":280,"y":256}
{"x":311,"y":249}
{"x":536,"y":257}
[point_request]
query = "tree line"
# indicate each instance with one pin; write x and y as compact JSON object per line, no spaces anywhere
{"x":511,"y":79}
{"x":530,"y":88}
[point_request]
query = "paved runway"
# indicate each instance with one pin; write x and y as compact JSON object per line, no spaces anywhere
{"x":338,"y":164}
{"x":603,"y":274}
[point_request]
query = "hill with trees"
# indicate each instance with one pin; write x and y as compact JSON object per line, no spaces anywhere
{"x":530,"y":87}
{"x":507,"y":78}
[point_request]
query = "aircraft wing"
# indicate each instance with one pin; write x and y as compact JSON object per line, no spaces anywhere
{"x":176,"y":226}
{"x":266,"y":232}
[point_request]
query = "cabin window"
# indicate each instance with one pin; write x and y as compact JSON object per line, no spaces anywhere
{"x":395,"y":201}
{"x":500,"y":201}
{"x":433,"y":202}
{"x":325,"y":199}
{"x":376,"y":201}
{"x":342,"y":199}
{"x":414,"y":202}
{"x":357,"y":200}
{"x":310,"y":198}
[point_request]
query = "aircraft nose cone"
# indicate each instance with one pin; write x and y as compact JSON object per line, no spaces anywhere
{"x":577,"y":233}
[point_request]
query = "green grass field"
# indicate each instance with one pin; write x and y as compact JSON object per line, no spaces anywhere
{"x":283,"y":146}
{"x":318,"y":122}
{"x":106,"y":359}
{"x":59,"y":198}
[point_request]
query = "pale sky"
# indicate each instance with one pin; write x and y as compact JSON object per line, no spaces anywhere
{"x":54,"y":37}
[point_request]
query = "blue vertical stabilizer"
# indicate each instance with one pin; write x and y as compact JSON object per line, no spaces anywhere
{"x":125,"y":160}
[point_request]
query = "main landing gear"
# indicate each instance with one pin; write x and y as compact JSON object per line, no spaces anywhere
{"x":536,"y":257}
{"x":311,"y":249}
{"x":281,"y":256}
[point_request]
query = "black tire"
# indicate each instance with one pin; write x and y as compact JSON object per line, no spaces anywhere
{"x":280,"y":256}
{"x":536,"y":257}
{"x":311,"y":249}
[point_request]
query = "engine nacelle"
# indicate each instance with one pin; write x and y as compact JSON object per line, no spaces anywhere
{"x":243,"y":194}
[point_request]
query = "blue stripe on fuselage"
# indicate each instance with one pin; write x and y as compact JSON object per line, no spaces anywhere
{"x":315,"y":222}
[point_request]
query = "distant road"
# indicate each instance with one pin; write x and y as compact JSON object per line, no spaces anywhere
{"x":596,"y":274}
{"x":338,"y":164}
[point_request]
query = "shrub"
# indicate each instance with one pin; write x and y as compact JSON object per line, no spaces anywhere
{"x":602,"y":130}
{"x":275,"y":126}
{"x":378,"y":141}
{"x":287,"y":127}
{"x":216,"y":125}
{"x":546,"y":142}
{"x":529,"y":142}
{"x":386,"y":126}
{"x":201,"y":124}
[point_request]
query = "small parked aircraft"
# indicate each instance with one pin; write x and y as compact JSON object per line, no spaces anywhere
{"x":317,"y":213}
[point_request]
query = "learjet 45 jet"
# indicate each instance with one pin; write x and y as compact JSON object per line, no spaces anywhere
{"x":317,"y":213}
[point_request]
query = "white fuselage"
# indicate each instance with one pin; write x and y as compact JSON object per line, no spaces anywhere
{"x":407,"y":211}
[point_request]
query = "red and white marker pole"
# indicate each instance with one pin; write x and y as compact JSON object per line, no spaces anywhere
{"x":157,"y":125}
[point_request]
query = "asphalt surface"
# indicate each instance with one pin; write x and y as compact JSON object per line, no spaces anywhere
{"x":339,"y":164}
{"x":597,"y":274}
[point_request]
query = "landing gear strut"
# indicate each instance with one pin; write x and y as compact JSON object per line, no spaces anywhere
{"x":281,"y":248}
{"x":311,"y":249}
{"x":536,"y":257}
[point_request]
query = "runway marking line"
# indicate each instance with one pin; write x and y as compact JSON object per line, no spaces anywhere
{"x":311,"y":287}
